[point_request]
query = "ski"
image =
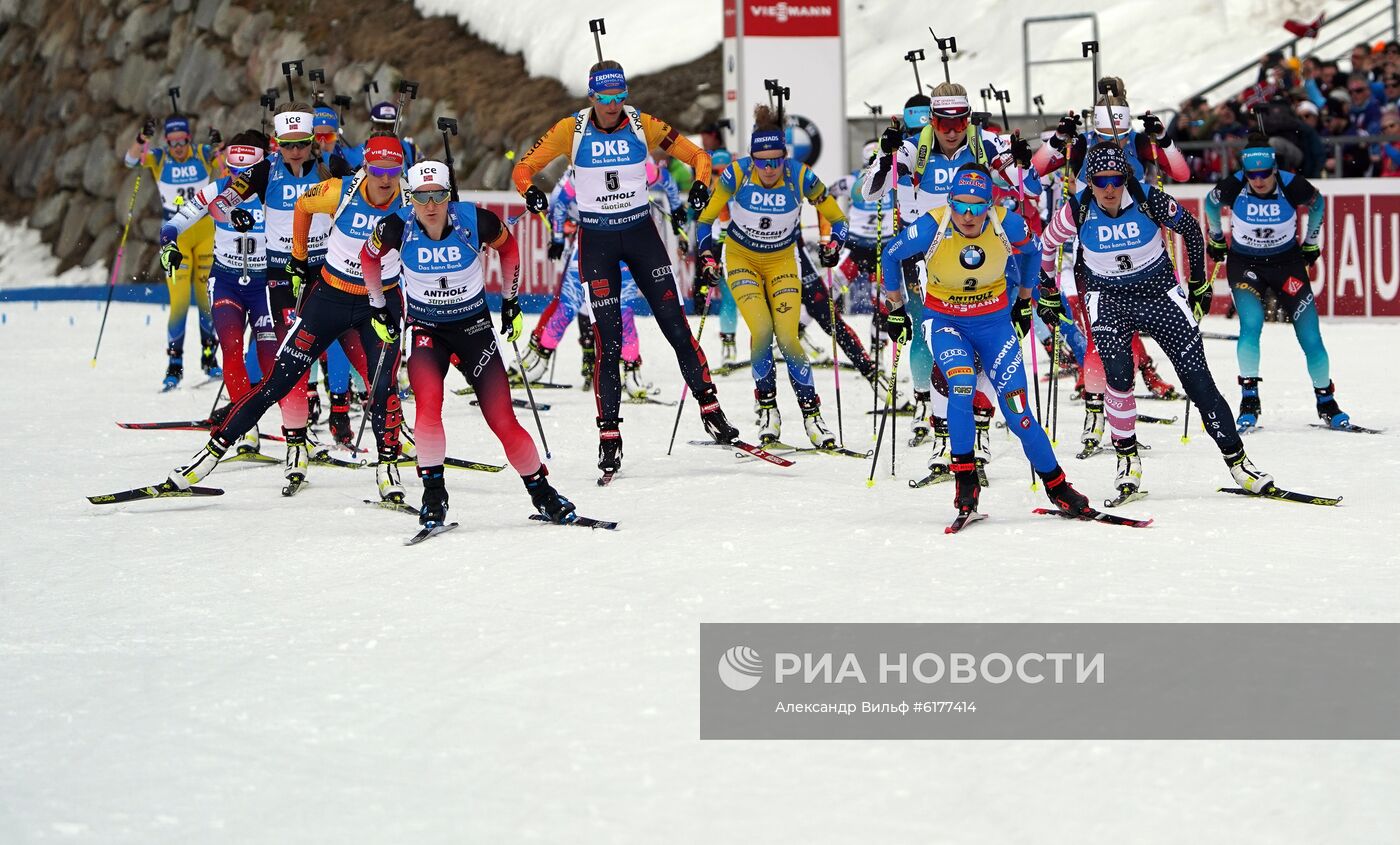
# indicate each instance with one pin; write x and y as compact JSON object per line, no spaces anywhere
{"x":455,"y":463}
{"x":1354,"y":429}
{"x":432,"y":529}
{"x":1125,"y":495}
{"x":905,"y":410}
{"x":936,"y":476}
{"x":963,"y":520}
{"x":833,"y":450}
{"x":1219,"y":336}
{"x":1285,"y":496}
{"x":1246,"y":428}
{"x":323,"y":458}
{"x":294,"y":485}
{"x":607,"y":477}
{"x":917,"y":440}
{"x":746,"y":450}
{"x":401,"y":507}
{"x":543,"y":385}
{"x":172,"y":425}
{"x":253,"y":457}
{"x":1170,"y":397}
{"x":520,"y":403}
{"x":1097,"y":516}
{"x":1089,"y":451}
{"x":1150,"y":420}
{"x":728,"y":369}
{"x":163,"y":490}
{"x":646,"y":400}
{"x":581,"y":522}
{"x":982,"y":474}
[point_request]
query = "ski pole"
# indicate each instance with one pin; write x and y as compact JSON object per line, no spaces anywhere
{"x":1035,"y":370}
{"x":373,"y":390}
{"x":685,"y":391}
{"x":218,"y":394}
{"x":1186,"y":424}
{"x":889,"y":412}
{"x":835,"y":358}
{"x":530,"y":394}
{"x":121,"y":251}
{"x":1054,"y":383}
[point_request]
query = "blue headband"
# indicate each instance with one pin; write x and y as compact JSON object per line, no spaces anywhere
{"x":177,"y":124}
{"x":721,"y":158}
{"x":917,"y":117}
{"x":767,"y":139}
{"x":325,"y":116}
{"x":607,"y":80}
{"x":971,"y":183}
{"x":1258,"y":158}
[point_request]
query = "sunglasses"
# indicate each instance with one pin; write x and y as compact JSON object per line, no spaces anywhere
{"x":1258,"y":174}
{"x":609,"y":99}
{"x":299,"y":144}
{"x":436,"y":196}
{"x":974,"y":208}
{"x":1105,"y":180}
{"x":951,"y":124}
{"x":183,"y":142}
{"x":769,"y":163}
{"x":384,"y":171}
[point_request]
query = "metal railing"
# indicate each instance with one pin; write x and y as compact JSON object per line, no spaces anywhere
{"x":1027,"y":61}
{"x":1334,"y":144}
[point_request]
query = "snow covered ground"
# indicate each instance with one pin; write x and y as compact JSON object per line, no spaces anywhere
{"x":25,"y":260}
{"x":254,"y":669}
{"x":1208,"y":38}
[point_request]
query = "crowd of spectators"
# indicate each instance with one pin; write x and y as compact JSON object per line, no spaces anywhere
{"x":1301,"y":102}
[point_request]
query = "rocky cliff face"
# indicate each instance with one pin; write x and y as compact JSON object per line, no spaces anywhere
{"x":80,"y":75}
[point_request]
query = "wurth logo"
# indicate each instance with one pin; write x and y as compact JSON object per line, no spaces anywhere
{"x":782,"y":11}
{"x":303,"y":340}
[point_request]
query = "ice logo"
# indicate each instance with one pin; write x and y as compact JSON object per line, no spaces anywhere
{"x":741,"y":668}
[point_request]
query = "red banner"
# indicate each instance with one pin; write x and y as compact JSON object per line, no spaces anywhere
{"x":821,"y":18}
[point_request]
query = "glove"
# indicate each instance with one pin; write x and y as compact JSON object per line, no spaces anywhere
{"x":1217,"y":249}
{"x":1021,"y":316}
{"x":535,"y":200}
{"x":170,"y":258}
{"x":1051,"y":308}
{"x":678,"y":219}
{"x":891,"y":139}
{"x":1152,"y":125}
{"x":297,"y":272}
{"x":1020,"y":150}
{"x":556,"y":250}
{"x":1310,"y":254}
{"x":699,"y":197}
{"x":1199,"y":294}
{"x":241,"y":220}
{"x":215,"y":139}
{"x":829,"y":253}
{"x":148,"y":130}
{"x":897,"y":324}
{"x":707,"y":273}
{"x":512,"y":321}
{"x":1068,"y":128}
{"x":385,"y":325}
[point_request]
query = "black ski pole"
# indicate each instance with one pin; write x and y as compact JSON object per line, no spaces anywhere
{"x":889,"y":412}
{"x":373,"y":392}
{"x":685,"y":391}
{"x":598,"y":28}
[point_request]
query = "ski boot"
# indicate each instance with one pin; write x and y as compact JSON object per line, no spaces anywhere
{"x":817,"y":432}
{"x":535,"y":361}
{"x":938,"y":468}
{"x":1092,"y":436}
{"x":983,"y":421}
{"x":712,"y":415}
{"x":590,"y":358}
{"x":174,"y":369}
{"x":250,"y":443}
{"x":967,"y":491}
{"x":918,"y":426}
{"x":1247,"y":475}
{"x":729,"y":351}
{"x":1078,"y":392}
{"x":294,"y":468}
{"x":200,"y":466}
{"x":433,"y":511}
{"x":547,"y":500}
{"x":1327,"y":409}
{"x":609,"y":445}
{"x":218,"y":415}
{"x":1155,"y":385}
{"x":766,"y":417}
{"x":1063,"y":495}
{"x":313,"y":404}
{"x":339,"y":420}
{"x":1129,"y":478}
{"x":209,"y":362}
{"x":387,"y":475}
{"x":632,"y":380}
{"x":1250,"y":408}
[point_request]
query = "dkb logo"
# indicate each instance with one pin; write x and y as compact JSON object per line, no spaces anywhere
{"x":438,"y":254}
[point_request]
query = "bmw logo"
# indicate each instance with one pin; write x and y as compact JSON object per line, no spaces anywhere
{"x":972,"y":256}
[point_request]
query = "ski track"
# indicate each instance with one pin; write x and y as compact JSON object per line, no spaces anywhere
{"x":257,"y":669}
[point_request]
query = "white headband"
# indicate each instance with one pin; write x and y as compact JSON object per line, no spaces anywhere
{"x":1122,"y":119}
{"x":955,"y":103}
{"x":292,"y":121}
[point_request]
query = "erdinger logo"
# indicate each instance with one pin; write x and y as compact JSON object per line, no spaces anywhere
{"x":783,"y":11}
{"x":741,"y":668}
{"x":972,"y":257}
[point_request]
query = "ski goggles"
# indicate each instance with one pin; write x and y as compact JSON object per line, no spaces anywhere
{"x":769,"y":163}
{"x":973,"y":208}
{"x":293,"y":143}
{"x":178,"y":142}
{"x":610,"y":99}
{"x":1258,"y":174}
{"x":951,"y":124}
{"x":917,"y":117}
{"x":1108,"y":180}
{"x":374,"y":170}
{"x":433,"y":196}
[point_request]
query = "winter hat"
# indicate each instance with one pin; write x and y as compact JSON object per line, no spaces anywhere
{"x":1104,"y":157}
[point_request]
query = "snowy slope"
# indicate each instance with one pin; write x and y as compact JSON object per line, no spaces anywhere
{"x":26,"y":261}
{"x":1164,"y":52}
{"x":251,"y":669}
